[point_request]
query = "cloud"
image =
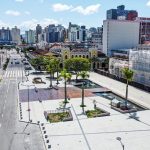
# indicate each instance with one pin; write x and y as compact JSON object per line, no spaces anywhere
{"x":61,"y":7}
{"x":31,"y":24}
{"x":148,"y":3}
{"x":3,"y":24}
{"x":19,"y":0}
{"x":91,"y":9}
{"x":12,"y":13}
{"x":27,"y":12}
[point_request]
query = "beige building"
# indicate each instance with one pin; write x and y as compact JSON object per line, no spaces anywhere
{"x":90,"y":53}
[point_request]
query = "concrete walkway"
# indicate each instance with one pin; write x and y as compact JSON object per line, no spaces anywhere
{"x":135,"y":94}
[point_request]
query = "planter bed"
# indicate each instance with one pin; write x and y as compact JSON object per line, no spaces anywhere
{"x":38,"y":80}
{"x":98,"y":112}
{"x":58,"y":115}
{"x":124,"y":110}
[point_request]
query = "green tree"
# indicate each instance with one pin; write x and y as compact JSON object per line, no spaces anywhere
{"x":84,"y":75}
{"x":77,"y":65}
{"x":66,"y":76}
{"x":57,"y":62}
{"x":51,"y":66}
{"x":38,"y":62}
{"x":128,"y":74}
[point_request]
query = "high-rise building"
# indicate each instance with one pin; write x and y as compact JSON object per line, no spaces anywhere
{"x":121,"y":14}
{"x":30,"y":37}
{"x":5,"y":36}
{"x":15,"y":35}
{"x":119,"y":34}
{"x":97,"y":40}
{"x":112,"y":14}
{"x":72,"y":32}
{"x":38,"y":32}
{"x":54,"y":33}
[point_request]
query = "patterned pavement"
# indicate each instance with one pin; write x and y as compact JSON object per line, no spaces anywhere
{"x":52,"y":94}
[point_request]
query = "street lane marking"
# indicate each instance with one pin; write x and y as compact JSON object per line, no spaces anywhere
{"x":0,"y":125}
{"x":2,"y":115}
{"x":4,"y":106}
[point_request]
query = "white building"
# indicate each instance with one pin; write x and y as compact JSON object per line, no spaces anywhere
{"x":140,"y":63}
{"x":116,"y":65}
{"x":118,"y":34}
{"x":15,"y":35}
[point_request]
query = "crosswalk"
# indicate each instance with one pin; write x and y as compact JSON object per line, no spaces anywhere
{"x":14,"y":74}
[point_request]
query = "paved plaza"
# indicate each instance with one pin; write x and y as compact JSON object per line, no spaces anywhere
{"x":95,"y":133}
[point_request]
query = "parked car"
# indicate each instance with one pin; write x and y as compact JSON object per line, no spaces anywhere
{"x":17,"y":62}
{"x":23,"y":59}
{"x":28,"y":68}
{"x":25,"y":63}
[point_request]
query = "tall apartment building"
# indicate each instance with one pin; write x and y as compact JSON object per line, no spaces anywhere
{"x":38,"y":32}
{"x":73,"y":35}
{"x":119,"y":34}
{"x":5,"y":36}
{"x":97,"y":38}
{"x":15,"y":35}
{"x":54,"y":33}
{"x":30,"y":36}
{"x":121,"y":14}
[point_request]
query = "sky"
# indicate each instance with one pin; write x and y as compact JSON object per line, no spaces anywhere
{"x":26,"y":14}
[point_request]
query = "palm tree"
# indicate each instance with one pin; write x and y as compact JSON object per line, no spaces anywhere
{"x":50,"y":67}
{"x":57,"y":61}
{"x":128,"y":74}
{"x":66,"y":76}
{"x":84,"y":75}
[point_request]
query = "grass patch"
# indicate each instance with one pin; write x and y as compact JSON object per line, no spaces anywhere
{"x":93,"y":113}
{"x":57,"y":117}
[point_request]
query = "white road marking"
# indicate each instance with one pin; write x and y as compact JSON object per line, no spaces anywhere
{"x":2,"y":115}
{"x":4,"y":106}
{"x":0,"y":125}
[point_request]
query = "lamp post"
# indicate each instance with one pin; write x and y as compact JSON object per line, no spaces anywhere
{"x":27,"y":75}
{"x":82,"y":103}
{"x":57,"y":76}
{"x":119,"y":139}
{"x":94,"y":103}
{"x":22,"y":71}
{"x":28,"y":86}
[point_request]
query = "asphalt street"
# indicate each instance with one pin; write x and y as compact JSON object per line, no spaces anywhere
{"x":15,"y":135}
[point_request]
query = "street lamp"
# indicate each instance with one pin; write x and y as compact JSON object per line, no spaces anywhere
{"x":119,"y":139}
{"x":94,"y":103}
{"x":22,"y":71}
{"x":27,"y":75}
{"x":28,"y":86}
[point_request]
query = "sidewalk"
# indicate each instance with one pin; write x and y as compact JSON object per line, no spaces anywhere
{"x":135,"y":94}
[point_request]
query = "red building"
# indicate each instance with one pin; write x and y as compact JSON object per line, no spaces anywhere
{"x":132,"y":15}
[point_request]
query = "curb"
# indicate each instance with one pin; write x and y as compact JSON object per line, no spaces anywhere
{"x":45,"y":136}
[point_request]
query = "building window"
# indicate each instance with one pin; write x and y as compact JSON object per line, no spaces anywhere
{"x":72,"y":56}
{"x":87,"y":56}
{"x":66,"y":57}
{"x":83,"y":56}
{"x":76,"y":56}
{"x":79,"y":55}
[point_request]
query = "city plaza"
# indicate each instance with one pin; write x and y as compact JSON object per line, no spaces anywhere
{"x":118,"y":131}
